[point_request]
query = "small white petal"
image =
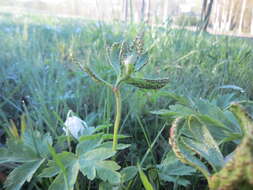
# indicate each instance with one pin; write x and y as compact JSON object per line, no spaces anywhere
{"x":75,"y":126}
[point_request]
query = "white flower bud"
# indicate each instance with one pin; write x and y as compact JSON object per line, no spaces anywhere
{"x":74,"y":125}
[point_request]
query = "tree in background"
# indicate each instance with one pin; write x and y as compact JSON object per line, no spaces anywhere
{"x":232,"y":15}
{"x":207,"y":6}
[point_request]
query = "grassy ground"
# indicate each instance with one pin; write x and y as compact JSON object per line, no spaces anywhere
{"x":37,"y":76}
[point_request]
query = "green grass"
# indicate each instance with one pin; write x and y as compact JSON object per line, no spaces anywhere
{"x":38,"y":76}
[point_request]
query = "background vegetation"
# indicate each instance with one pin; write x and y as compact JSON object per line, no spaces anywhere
{"x":39,"y":79}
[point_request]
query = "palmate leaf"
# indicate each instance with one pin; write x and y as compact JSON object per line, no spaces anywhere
{"x":71,"y":174}
{"x":66,"y":179}
{"x":203,"y":143}
{"x":38,"y":142}
{"x":193,"y":161}
{"x":173,"y":167}
{"x":16,"y":151}
{"x":67,"y":159}
{"x":183,"y":153}
{"x":207,"y":108}
{"x":31,"y":146}
{"x":88,"y":145}
{"x":128,"y":173}
{"x":21,"y":174}
{"x":93,"y":163}
{"x":172,"y":170}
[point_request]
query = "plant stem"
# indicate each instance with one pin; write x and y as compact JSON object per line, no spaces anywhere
{"x":117,"y":118}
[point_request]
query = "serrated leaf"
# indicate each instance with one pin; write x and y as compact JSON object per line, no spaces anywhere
{"x":106,"y":171}
{"x":51,"y":171}
{"x":147,"y":83}
{"x":176,"y":111}
{"x":175,"y":180}
{"x":192,"y":160}
{"x":108,"y":186}
{"x":67,"y":160}
{"x":212,"y":121}
{"x":93,"y":164}
{"x":245,"y":119}
{"x":99,"y":154}
{"x":113,"y":57}
{"x":171,"y":166}
{"x":93,"y":75}
{"x":38,"y":142}
{"x":180,"y":99}
{"x":204,"y":144}
{"x":21,"y":174}
{"x":71,"y":175}
{"x":128,"y":173}
{"x":88,"y":145}
{"x":17,"y":152}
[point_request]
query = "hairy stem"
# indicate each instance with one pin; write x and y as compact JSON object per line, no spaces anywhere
{"x":117,"y":118}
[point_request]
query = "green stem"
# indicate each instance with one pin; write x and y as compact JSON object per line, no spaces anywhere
{"x":117,"y":118}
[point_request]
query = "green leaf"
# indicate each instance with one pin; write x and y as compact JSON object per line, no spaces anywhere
{"x":99,"y":154}
{"x":180,"y":99}
{"x":128,"y":173}
{"x":204,"y":144}
{"x":163,"y":112}
{"x":71,"y":174}
{"x":192,"y":160}
{"x":90,"y":137}
{"x":108,"y":186}
{"x":171,"y":166}
{"x":147,"y":83}
{"x":106,"y":171}
{"x":175,"y":180}
{"x":67,"y":159}
{"x":176,"y":111}
{"x":51,"y":171}
{"x":88,"y":145}
{"x":147,"y":185}
{"x":93,"y":75}
{"x":38,"y":142}
{"x":16,"y":151}
{"x":57,"y":158}
{"x":119,"y":146}
{"x":102,"y":127}
{"x":21,"y":174}
{"x":93,"y":164}
{"x":110,"y":136}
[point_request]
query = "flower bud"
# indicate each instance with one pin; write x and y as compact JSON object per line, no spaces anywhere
{"x":129,"y":65}
{"x":75,"y":126}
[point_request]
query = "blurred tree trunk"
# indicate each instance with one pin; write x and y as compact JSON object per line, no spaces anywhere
{"x":131,"y":10}
{"x":125,"y":10}
{"x":206,"y":13}
{"x":143,"y":6}
{"x":251,"y":27}
{"x":230,"y":17}
{"x":216,"y":16}
{"x":148,"y":11}
{"x":242,"y":15}
{"x":165,"y":10}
